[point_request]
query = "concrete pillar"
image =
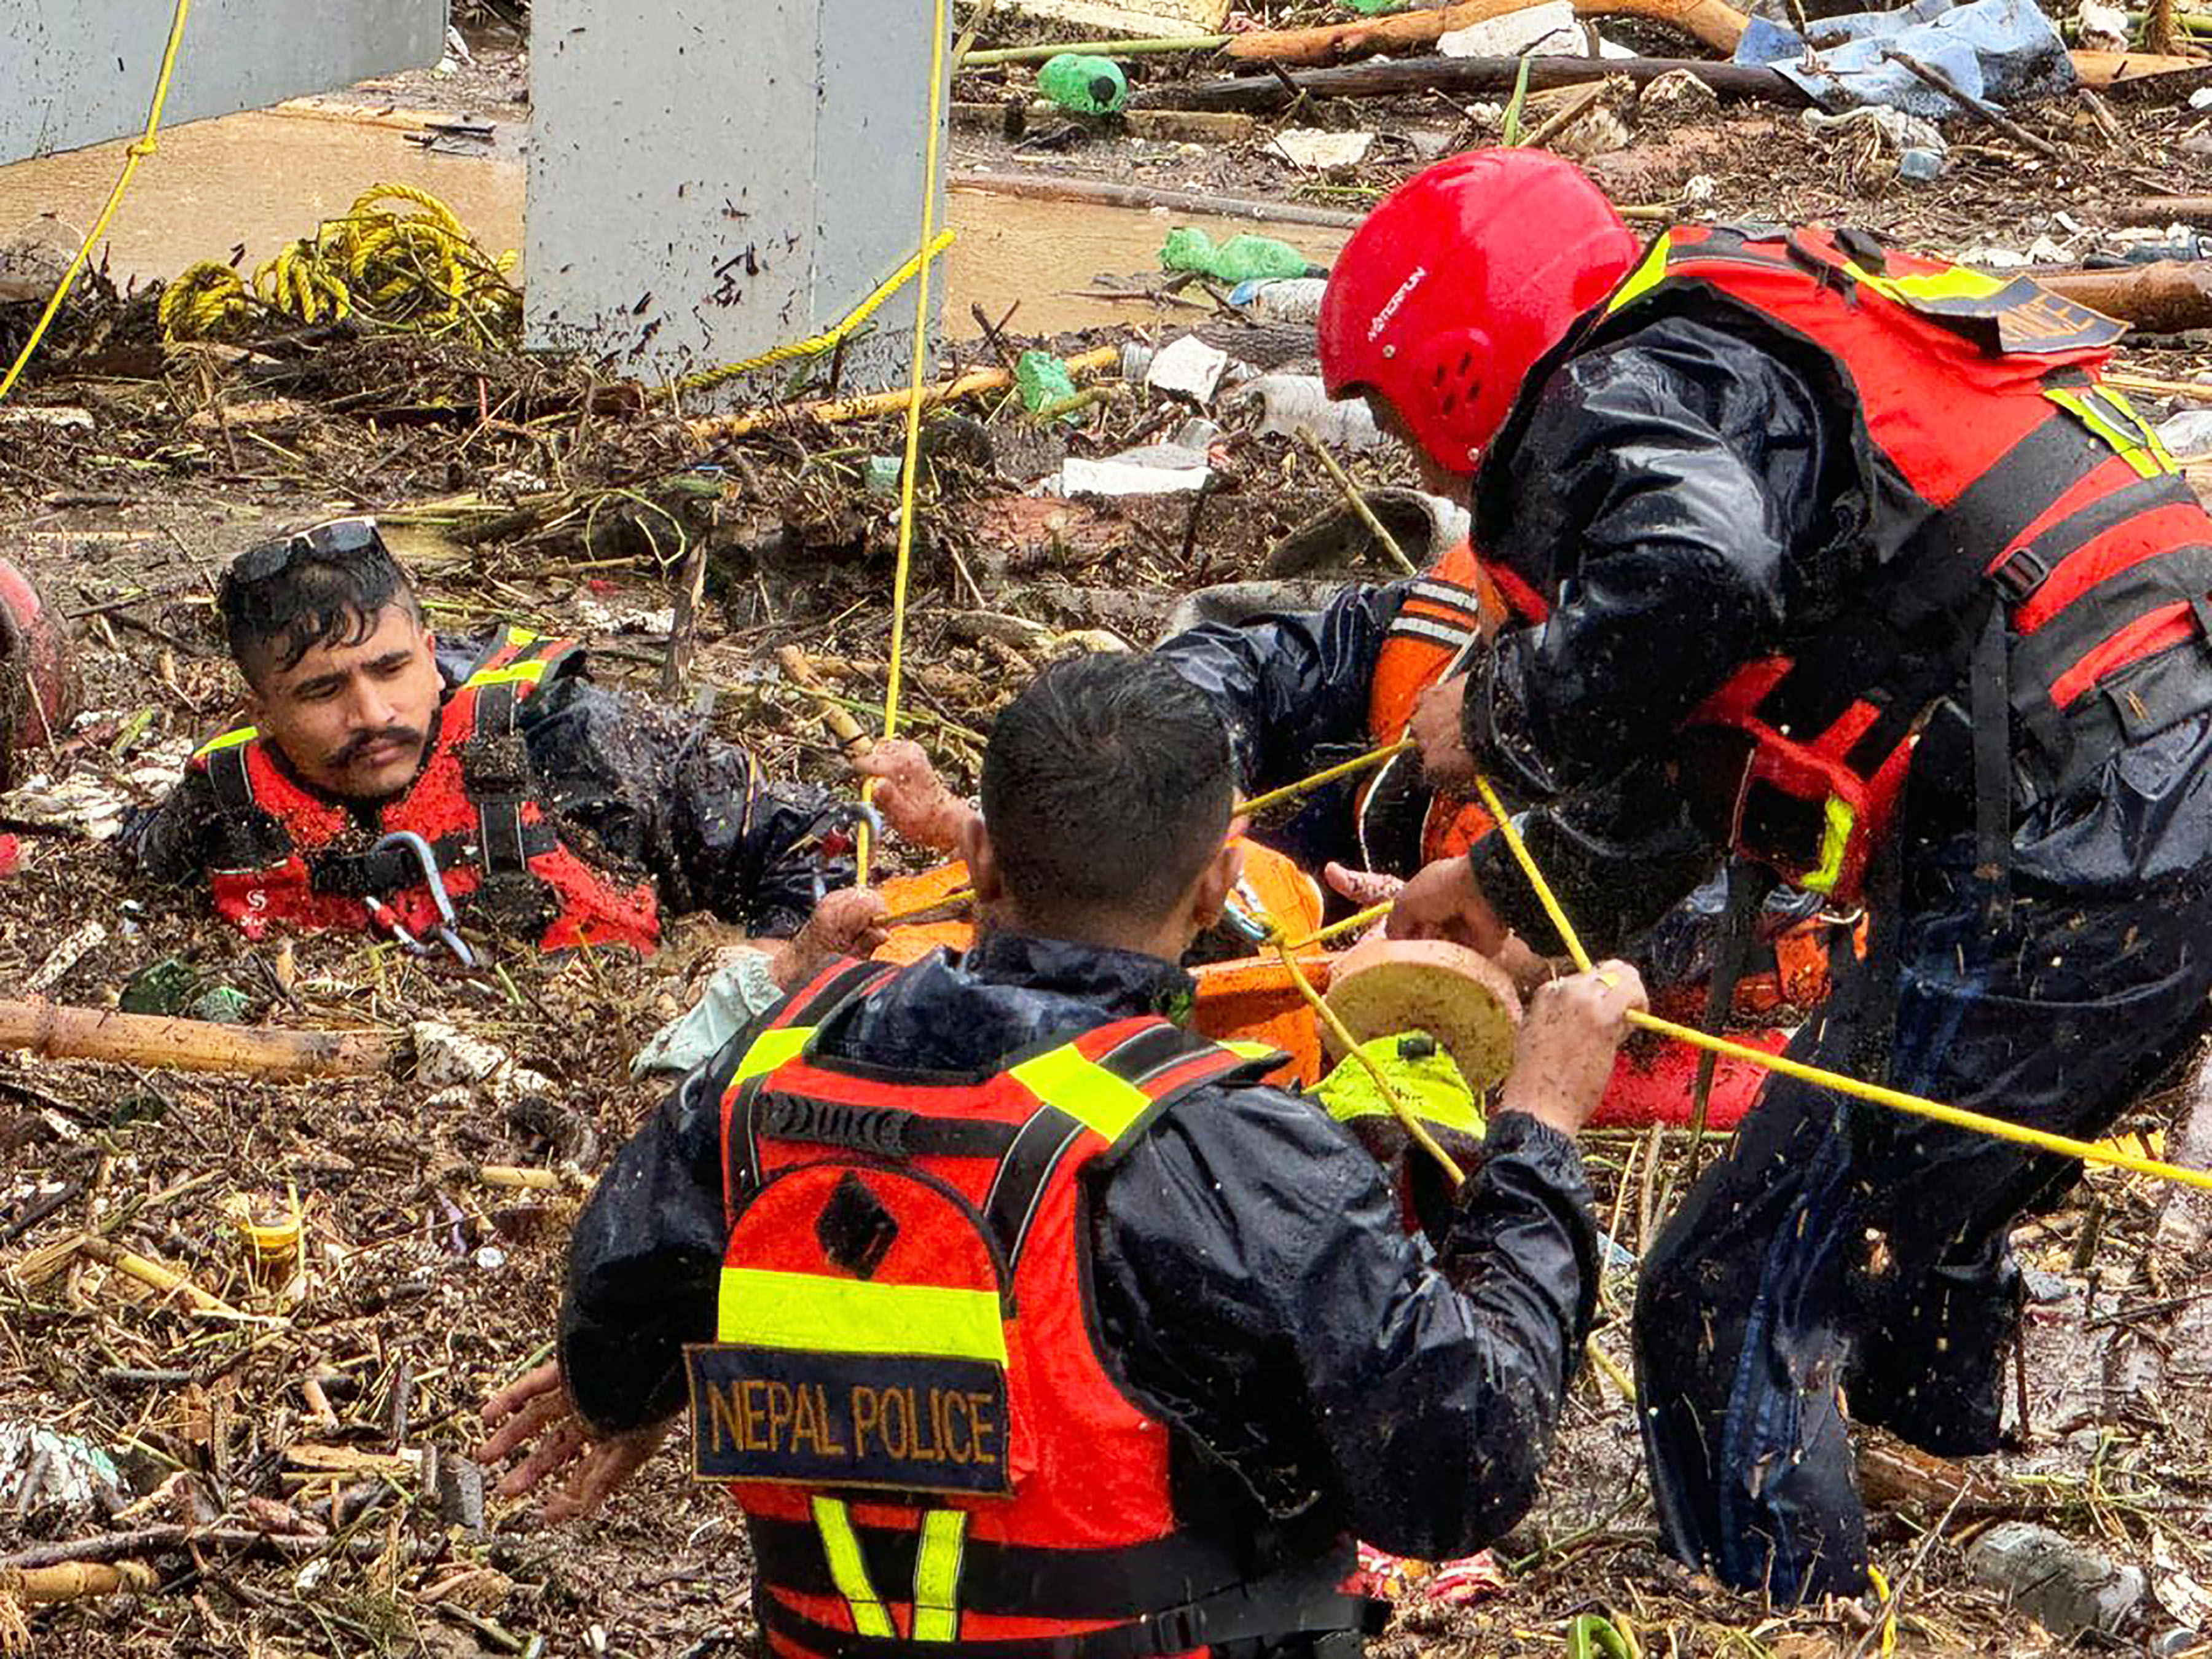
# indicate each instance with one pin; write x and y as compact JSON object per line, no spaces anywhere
{"x":708,"y":181}
{"x":77,"y":72}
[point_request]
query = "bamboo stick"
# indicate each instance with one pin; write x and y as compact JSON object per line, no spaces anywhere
{"x":72,"y":1581}
{"x":1714,"y":22}
{"x":830,"y":411}
{"x":165,"y":1279}
{"x":55,"y":1032}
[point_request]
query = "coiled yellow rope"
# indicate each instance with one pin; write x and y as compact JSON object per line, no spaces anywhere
{"x":399,"y":259}
{"x":831,"y":338}
{"x":143,"y":147}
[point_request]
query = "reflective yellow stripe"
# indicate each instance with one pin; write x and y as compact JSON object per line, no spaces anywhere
{"x":937,"y":1574}
{"x":227,"y":740}
{"x":769,"y":1308}
{"x":526,"y":673}
{"x":1834,"y":839}
{"x":1645,"y":278}
{"x":1934,"y":287}
{"x":848,"y":1568}
{"x":1089,"y":1093}
{"x":770,"y":1049}
{"x":2117,"y":424}
{"x":1254,"y":1050}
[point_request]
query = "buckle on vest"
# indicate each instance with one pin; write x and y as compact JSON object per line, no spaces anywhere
{"x":2023,"y":572}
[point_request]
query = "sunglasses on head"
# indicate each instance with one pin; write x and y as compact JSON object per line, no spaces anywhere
{"x":338,"y":538}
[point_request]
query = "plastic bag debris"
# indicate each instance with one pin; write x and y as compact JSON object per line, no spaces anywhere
{"x":2001,"y":50}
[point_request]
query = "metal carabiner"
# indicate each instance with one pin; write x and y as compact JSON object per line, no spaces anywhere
{"x":845,"y":816}
{"x":448,"y":923}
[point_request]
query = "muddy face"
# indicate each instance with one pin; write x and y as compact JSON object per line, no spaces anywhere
{"x":352,"y":720}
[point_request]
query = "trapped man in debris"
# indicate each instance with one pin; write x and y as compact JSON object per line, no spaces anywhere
{"x":1009,"y":1309}
{"x":554,"y":810}
{"x":1841,"y":563}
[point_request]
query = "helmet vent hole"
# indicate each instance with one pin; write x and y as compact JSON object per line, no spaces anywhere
{"x":1449,"y":399}
{"x":1438,"y":379}
{"x":1466,"y":361}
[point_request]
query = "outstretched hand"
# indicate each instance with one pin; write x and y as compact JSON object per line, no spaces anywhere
{"x":535,"y":1414}
{"x":848,"y":922}
{"x":1445,"y":901}
{"x":912,"y":798}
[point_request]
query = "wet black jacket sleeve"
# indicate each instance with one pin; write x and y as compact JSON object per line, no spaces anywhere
{"x":658,"y":791}
{"x":1250,"y":1269}
{"x":645,"y":1258}
{"x":1251,"y":1272}
{"x":1681,"y":495}
{"x":1293,"y":686}
{"x":174,"y":844}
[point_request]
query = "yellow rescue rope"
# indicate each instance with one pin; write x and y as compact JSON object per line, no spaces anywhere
{"x":916,"y":398}
{"x":141,"y":148}
{"x":831,"y":338}
{"x":1896,"y":1099}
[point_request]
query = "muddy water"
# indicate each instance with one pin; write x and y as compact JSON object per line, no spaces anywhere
{"x":265,"y":178}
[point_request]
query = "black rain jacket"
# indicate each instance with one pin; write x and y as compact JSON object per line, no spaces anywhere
{"x":1693,"y":496}
{"x":1252,"y":1277}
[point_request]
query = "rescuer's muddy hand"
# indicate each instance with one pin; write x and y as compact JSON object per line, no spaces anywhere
{"x":847,"y":923}
{"x":912,"y":798}
{"x":535,"y":1412}
{"x":1436,"y":726}
{"x":1573,"y":1028}
{"x":1444,"y":901}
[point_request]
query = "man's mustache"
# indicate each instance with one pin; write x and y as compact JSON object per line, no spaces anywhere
{"x":367,"y":740}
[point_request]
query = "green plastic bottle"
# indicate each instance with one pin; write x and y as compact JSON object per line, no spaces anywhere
{"x":1088,"y":86}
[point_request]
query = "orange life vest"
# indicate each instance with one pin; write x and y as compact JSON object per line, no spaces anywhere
{"x":2053,"y":556}
{"x":906,"y":1395}
{"x":1427,"y":641}
{"x":501,"y":858}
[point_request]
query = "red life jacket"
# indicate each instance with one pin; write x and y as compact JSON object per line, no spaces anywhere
{"x":907,"y":1395}
{"x":2050,"y":556}
{"x":1427,"y":641}
{"x":501,"y":858}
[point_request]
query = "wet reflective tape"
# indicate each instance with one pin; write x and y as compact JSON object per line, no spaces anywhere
{"x":769,"y":1308}
{"x":849,"y":1568}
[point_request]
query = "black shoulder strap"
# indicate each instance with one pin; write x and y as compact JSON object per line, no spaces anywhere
{"x":233,"y":783}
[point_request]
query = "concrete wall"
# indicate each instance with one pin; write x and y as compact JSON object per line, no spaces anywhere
{"x":77,"y":72}
{"x":707,"y":181}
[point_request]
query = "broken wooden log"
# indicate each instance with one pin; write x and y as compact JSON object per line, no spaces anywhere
{"x":1179,"y":126}
{"x":73,"y":1581}
{"x":1714,"y":22}
{"x":1460,"y":75}
{"x":1148,"y":197}
{"x":2161,"y":210}
{"x":2140,"y":74}
{"x":2169,"y":297}
{"x":55,"y":1032}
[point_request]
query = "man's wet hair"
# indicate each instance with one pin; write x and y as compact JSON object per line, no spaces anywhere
{"x":326,"y":585}
{"x":1107,"y":787}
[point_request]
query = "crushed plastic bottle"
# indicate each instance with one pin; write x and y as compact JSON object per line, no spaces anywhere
{"x":1292,"y":402}
{"x":1241,"y":258}
{"x":1281,"y":299}
{"x":1083,"y":85}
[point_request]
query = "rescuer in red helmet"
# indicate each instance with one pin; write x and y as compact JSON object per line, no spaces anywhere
{"x":557,"y":812}
{"x":1841,"y":561}
{"x":1018,"y":1318}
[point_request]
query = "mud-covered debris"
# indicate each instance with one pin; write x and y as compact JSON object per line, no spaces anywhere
{"x":2067,"y":1587}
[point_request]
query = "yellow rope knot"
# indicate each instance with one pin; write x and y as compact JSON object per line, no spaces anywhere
{"x":411,"y":267}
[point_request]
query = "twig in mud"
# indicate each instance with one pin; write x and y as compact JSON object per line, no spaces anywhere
{"x":1988,"y":113}
{"x":1888,"y":1610}
{"x":1375,"y":527}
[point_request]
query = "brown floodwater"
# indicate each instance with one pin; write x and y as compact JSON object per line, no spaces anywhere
{"x":267,"y":177}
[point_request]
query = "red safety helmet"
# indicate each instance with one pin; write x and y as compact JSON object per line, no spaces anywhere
{"x":1458,"y":282}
